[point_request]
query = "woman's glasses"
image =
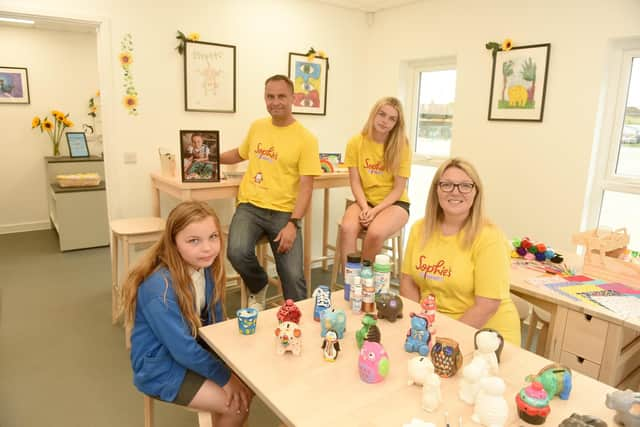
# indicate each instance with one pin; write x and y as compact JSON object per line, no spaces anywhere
{"x":463,"y":187}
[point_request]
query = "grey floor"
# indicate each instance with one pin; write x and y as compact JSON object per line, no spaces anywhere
{"x":62,"y":363}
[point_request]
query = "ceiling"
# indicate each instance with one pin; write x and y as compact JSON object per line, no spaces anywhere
{"x":50,"y":23}
{"x":368,"y":5}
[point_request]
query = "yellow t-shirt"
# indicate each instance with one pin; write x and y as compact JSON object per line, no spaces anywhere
{"x":455,"y":276}
{"x":368,"y":157}
{"x":278,"y":156}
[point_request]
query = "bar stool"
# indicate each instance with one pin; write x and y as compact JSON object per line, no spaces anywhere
{"x":544,"y":317}
{"x":129,"y":231}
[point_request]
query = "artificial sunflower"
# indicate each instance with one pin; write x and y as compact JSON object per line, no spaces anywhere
{"x":130,"y":101}
{"x":55,"y":113}
{"x":507,"y":44}
{"x":193,"y":36}
{"x":35,"y":122}
{"x":47,"y":125}
{"x":125,"y":58}
{"x":59,"y":117}
{"x":68,"y":123}
{"x":321,"y":54}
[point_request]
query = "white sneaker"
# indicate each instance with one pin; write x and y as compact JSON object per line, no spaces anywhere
{"x":259,"y":300}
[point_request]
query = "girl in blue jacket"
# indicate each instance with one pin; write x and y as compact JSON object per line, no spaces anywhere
{"x":177,"y":287}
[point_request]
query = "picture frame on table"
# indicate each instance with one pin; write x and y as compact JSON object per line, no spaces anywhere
{"x":14,"y":85}
{"x":200,"y":155}
{"x":209,"y":77}
{"x":77,"y":143}
{"x":309,"y":77}
{"x":519,"y":83}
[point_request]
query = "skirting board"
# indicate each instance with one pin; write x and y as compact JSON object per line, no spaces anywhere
{"x":24,"y":226}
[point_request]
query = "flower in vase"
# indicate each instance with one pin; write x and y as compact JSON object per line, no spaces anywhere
{"x":54,"y":127}
{"x":35,"y":122}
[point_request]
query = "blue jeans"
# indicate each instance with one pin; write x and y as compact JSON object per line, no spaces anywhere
{"x":248,"y":225}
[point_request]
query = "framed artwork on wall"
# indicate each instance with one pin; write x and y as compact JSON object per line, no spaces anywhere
{"x":200,"y":155}
{"x":209,"y":77}
{"x":519,"y":83}
{"x":309,"y":78}
{"x":14,"y":85}
{"x":77,"y":142}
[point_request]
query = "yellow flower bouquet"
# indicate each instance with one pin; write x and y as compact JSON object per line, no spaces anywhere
{"x":54,"y":127}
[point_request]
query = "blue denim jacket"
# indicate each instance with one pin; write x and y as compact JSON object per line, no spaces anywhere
{"x":162,"y":347}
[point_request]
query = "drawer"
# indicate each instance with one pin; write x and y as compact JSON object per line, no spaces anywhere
{"x":580,"y":364}
{"x":585,"y":336}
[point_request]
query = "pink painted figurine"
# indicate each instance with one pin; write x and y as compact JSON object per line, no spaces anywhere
{"x":289,"y":312}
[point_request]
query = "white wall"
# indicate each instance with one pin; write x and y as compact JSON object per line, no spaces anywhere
{"x":535,"y":174}
{"x":63,"y":75}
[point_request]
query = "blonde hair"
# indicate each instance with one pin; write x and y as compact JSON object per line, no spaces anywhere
{"x":396,"y":140}
{"x":164,"y":253}
{"x":434,"y":215}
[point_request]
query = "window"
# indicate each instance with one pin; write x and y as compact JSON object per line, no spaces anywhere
{"x":615,"y":200}
{"x":431,"y":89}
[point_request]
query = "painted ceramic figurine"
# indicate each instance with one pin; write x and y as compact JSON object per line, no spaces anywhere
{"x":369,"y":331}
{"x":335,"y":319}
{"x":288,"y":338}
{"x":472,"y":374}
{"x":289,"y":312}
{"x":389,"y":306}
{"x":417,"y":340}
{"x":577,"y":420}
{"x":627,"y":405}
{"x":419,"y":367}
{"x":533,"y":404}
{"x":322,"y":295}
{"x":446,"y":357}
{"x":491,"y":408}
{"x":373,"y":362}
{"x":431,"y":394}
{"x":429,"y":307}
{"x":330,"y":346}
{"x":556,"y":380}
{"x":488,"y":344}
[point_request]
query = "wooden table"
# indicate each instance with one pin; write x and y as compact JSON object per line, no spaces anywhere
{"x":585,"y":337}
{"x":228,"y":188}
{"x":307,"y":391}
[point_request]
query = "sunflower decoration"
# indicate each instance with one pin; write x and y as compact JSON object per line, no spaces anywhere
{"x":313,"y":54}
{"x":125,"y":59}
{"x":54,"y":127}
{"x":495,"y":47}
{"x":130,"y":99}
{"x":192,"y":37}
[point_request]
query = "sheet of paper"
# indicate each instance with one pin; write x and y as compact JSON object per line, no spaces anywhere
{"x":625,"y":306}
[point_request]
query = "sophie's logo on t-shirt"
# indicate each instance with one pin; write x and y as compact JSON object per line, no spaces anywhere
{"x":374,"y":168}
{"x":268,"y":154}
{"x":437,"y":271}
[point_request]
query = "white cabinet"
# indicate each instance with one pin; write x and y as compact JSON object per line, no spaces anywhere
{"x":79,"y":214}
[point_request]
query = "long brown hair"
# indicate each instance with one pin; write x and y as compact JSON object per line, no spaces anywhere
{"x":164,"y":253}
{"x":434,"y":215}
{"x":396,"y":140}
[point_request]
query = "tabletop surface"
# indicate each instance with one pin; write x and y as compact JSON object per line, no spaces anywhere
{"x":305,"y":390}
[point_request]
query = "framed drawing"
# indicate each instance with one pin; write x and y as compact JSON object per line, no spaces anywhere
{"x":209,"y":77}
{"x":200,"y":155}
{"x":14,"y":85}
{"x":77,"y":142}
{"x":329,"y":161}
{"x":519,"y":83}
{"x":309,"y":84}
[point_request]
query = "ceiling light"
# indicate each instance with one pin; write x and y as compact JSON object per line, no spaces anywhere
{"x":17,"y":21}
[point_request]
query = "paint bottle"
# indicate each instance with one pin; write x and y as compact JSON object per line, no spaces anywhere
{"x":356,"y":295}
{"x":382,"y":273}
{"x":368,"y":287}
{"x":351,"y":270}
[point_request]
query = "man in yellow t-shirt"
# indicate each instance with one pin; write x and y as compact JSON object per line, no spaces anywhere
{"x":274,"y":194}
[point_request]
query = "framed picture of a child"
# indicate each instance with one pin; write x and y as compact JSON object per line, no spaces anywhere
{"x":200,"y":155}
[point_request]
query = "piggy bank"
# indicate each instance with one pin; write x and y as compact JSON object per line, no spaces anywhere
{"x":289,"y":312}
{"x":417,"y":340}
{"x":627,"y":405}
{"x":335,"y":319}
{"x":288,"y":338}
{"x":389,"y":306}
{"x":373,"y":363}
{"x":419,"y":367}
{"x":556,"y":380}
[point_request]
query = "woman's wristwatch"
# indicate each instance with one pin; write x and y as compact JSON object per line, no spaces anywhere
{"x":295,"y":221}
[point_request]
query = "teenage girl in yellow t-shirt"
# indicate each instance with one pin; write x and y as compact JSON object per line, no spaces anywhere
{"x":455,"y":253}
{"x":379,"y":162}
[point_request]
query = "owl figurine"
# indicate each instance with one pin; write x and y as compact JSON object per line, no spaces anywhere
{"x":330,"y":346}
{"x":446,"y":357}
{"x":373,"y":362}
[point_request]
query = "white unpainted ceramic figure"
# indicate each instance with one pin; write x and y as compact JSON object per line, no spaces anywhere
{"x":419,"y":367}
{"x":475,"y":371}
{"x":431,"y":394}
{"x":491,"y":408}
{"x":488,"y":342}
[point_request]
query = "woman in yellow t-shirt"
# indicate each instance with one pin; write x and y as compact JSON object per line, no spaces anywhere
{"x":379,"y":162}
{"x":458,"y":255}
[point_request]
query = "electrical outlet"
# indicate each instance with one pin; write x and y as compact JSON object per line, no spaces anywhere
{"x":130,"y":158}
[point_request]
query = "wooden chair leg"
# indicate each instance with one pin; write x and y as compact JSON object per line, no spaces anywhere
{"x":337,"y":257}
{"x":531,"y":330}
{"x":148,"y":411}
{"x":115,"y":289}
{"x":541,"y":345}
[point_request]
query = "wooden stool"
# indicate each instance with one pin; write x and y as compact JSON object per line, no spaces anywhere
{"x":129,"y":232}
{"x":538,"y":315}
{"x":396,"y":253}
